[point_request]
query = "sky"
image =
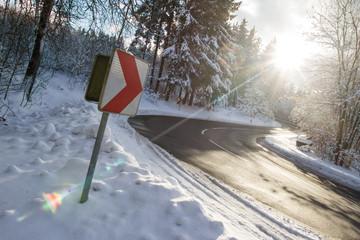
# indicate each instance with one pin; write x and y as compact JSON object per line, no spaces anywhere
{"x":276,"y":18}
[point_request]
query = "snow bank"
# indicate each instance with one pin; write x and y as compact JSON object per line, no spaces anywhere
{"x":151,"y":105}
{"x":285,"y":146}
{"x":44,"y":160}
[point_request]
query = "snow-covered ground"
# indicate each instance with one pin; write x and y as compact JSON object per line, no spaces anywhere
{"x":150,"y":105}
{"x":139,"y":191}
{"x":285,"y":145}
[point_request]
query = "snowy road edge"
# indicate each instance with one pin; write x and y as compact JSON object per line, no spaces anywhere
{"x":316,"y":167}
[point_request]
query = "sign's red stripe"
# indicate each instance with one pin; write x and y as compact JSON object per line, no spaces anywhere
{"x":133,"y":84}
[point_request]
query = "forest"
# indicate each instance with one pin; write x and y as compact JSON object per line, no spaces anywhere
{"x":197,"y":53}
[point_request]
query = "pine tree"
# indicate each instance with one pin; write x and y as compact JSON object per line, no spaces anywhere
{"x":246,"y":64}
{"x":200,"y":33}
{"x":154,"y":19}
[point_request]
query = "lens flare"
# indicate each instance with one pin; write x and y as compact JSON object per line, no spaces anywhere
{"x":218,"y":100}
{"x":23,"y":217}
{"x":53,"y":200}
{"x":111,"y":166}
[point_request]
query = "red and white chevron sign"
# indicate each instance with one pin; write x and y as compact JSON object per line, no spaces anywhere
{"x":123,"y":85}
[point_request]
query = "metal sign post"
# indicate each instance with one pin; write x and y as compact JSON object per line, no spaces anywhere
{"x":94,"y":157}
{"x":179,"y":102}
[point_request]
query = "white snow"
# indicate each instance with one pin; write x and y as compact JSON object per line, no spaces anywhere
{"x":285,"y":145}
{"x":139,"y":191}
{"x":41,"y":182}
{"x":151,"y":106}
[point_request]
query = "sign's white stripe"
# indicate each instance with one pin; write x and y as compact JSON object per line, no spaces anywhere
{"x":142,"y":68}
{"x":115,"y":83}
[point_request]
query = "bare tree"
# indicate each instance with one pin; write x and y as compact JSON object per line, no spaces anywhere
{"x":34,"y":63}
{"x":63,"y":12}
{"x":15,"y":31}
{"x":336,"y":86}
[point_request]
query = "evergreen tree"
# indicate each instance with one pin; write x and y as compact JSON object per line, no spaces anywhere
{"x":246,"y":64}
{"x":200,"y":33}
{"x":172,"y":8}
{"x":145,"y":17}
{"x":154,"y":18}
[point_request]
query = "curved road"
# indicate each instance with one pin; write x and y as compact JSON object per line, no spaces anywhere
{"x":230,"y":153}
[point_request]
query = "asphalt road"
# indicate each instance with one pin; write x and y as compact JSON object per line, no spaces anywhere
{"x":230,"y":153}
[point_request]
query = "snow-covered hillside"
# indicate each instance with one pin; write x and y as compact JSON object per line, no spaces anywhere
{"x":139,"y":191}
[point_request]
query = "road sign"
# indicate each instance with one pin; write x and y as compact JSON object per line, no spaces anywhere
{"x":123,"y":84}
{"x":121,"y":93}
{"x":97,"y":77}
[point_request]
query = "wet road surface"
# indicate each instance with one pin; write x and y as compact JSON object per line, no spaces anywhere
{"x":230,"y":153}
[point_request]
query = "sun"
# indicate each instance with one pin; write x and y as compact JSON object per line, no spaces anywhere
{"x":291,"y":53}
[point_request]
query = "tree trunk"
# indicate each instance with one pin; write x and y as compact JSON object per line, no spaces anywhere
{"x":168,"y":91}
{"x":235,"y":97}
{"x":166,"y":45}
{"x":186,"y":95}
{"x":155,"y":55}
{"x":340,"y":134}
{"x":34,"y":62}
{"x":166,"y":87}
{"x":147,"y":41}
{"x":191,"y":97}
{"x":180,"y":93}
{"x":157,"y":86}
{"x":160,"y":74}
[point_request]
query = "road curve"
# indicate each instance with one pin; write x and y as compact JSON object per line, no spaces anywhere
{"x":230,"y":153}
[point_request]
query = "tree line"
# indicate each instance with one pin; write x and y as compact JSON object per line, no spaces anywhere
{"x":191,"y":45}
